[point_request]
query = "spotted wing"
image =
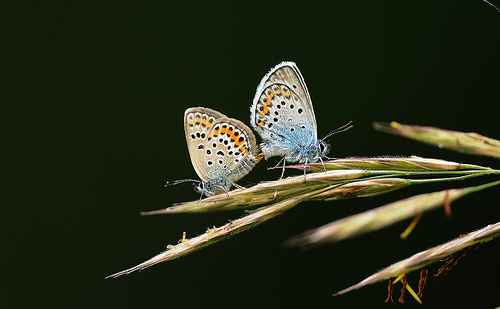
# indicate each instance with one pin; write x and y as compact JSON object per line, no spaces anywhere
{"x":282,"y":111}
{"x":222,"y":149}
{"x":198,"y":121}
{"x":231,"y":150}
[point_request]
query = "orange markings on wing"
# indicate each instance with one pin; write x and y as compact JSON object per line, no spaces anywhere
{"x":264,"y":111}
{"x":233,"y":137}
{"x":266,"y":102}
{"x":243,"y":150}
{"x":230,"y":132}
{"x":261,"y":124}
{"x":287,"y":93}
{"x":239,"y":141}
{"x":270,"y":95}
{"x":205,"y":123}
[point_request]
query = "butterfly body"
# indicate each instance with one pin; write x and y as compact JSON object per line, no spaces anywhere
{"x":222,"y":149}
{"x":283,"y":115}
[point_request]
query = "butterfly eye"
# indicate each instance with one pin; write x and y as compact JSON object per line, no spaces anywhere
{"x":323,"y":148}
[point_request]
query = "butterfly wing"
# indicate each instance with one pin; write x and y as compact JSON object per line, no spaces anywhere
{"x":197,"y":123}
{"x":222,"y":151}
{"x":231,"y":150}
{"x":282,"y":113}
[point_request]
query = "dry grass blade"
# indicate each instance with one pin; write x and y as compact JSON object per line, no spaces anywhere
{"x":255,"y":218}
{"x":264,"y":193}
{"x":363,"y":188}
{"x":388,"y":163}
{"x":342,"y":171}
{"x":380,"y":217}
{"x":464,"y":142}
{"x":429,"y":256}
{"x":213,"y":235}
{"x":496,"y":8}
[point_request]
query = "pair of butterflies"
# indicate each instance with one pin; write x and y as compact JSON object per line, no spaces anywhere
{"x":223,"y":149}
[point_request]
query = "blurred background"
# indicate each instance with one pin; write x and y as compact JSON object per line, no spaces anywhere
{"x":93,"y":96}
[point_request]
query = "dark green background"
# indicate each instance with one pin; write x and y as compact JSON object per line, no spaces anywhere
{"x":92,"y":101}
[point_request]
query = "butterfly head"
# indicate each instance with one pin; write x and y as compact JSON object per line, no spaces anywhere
{"x":323,"y":148}
{"x":202,"y":189}
{"x":212,"y":187}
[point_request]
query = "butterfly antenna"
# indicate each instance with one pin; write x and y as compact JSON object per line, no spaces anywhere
{"x":343,"y":128}
{"x":176,"y":182}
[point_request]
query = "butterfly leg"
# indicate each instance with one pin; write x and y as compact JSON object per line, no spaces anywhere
{"x":283,"y":171}
{"x":323,"y":163}
{"x":236,"y":185}
{"x":224,"y":189}
{"x":305,"y":169}
{"x":276,"y":166}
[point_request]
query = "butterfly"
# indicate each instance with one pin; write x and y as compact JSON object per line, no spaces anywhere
{"x":222,"y":149}
{"x":282,"y":114}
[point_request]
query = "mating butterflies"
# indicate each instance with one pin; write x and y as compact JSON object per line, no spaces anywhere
{"x":222,"y":149}
{"x":283,"y":115}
